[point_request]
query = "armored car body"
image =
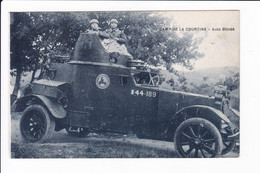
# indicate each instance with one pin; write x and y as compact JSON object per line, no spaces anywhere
{"x":98,"y":90}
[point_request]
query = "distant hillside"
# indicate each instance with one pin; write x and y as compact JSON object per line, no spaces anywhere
{"x":200,"y":86}
{"x":213,"y":74}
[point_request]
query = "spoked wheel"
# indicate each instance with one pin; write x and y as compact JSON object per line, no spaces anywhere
{"x":36,"y":125}
{"x":77,"y":131}
{"x":228,"y":144}
{"x":197,"y":137}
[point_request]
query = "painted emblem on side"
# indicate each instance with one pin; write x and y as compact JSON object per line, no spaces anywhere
{"x":102,"y":81}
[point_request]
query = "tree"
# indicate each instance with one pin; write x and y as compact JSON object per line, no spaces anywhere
{"x":36,"y":36}
{"x":21,"y":48}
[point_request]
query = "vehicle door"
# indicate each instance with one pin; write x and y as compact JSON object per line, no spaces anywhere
{"x":112,"y":96}
{"x":144,"y":103}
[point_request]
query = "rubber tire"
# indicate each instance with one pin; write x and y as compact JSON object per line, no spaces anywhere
{"x":50,"y":123}
{"x":76,"y":134}
{"x":229,"y":148}
{"x":210,"y":126}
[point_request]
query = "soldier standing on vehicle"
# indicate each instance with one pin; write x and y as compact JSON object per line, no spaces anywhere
{"x":94,"y":29}
{"x":115,"y":33}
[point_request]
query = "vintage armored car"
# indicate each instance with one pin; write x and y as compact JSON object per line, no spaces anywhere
{"x":101,"y":91}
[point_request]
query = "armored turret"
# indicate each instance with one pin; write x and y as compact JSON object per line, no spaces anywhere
{"x":91,"y":48}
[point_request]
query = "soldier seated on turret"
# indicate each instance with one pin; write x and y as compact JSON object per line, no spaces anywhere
{"x":115,"y":33}
{"x":94,"y":29}
{"x":117,"y":39}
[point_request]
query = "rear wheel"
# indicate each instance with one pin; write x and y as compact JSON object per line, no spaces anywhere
{"x":77,"y":131}
{"x":197,"y":137}
{"x":36,"y":124}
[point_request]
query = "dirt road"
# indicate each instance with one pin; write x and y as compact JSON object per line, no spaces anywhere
{"x":93,"y":146}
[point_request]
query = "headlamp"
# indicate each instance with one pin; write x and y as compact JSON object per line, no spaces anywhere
{"x":113,"y":57}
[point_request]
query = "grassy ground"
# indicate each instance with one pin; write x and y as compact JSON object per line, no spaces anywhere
{"x":93,"y":149}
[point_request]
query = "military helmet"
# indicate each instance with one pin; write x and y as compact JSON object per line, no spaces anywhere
{"x":94,"y":21}
{"x":113,"y":21}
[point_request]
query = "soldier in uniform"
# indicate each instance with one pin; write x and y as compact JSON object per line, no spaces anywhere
{"x":116,"y":40}
{"x":114,"y":33}
{"x":94,"y":29}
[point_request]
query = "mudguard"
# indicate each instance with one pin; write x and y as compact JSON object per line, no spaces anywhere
{"x":235,"y":112}
{"x":52,"y":105}
{"x":211,"y":114}
{"x":200,"y":110}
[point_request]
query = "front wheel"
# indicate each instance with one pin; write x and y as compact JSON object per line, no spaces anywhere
{"x":198,"y":137}
{"x":228,"y":144}
{"x":36,"y":124}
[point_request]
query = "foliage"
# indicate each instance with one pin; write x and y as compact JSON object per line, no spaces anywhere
{"x":36,"y":36}
{"x":21,"y":39}
{"x":203,"y":88}
{"x":207,"y":88}
{"x":21,"y":51}
{"x":232,"y":82}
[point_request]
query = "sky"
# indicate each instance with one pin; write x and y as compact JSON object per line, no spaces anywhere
{"x":221,"y":48}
